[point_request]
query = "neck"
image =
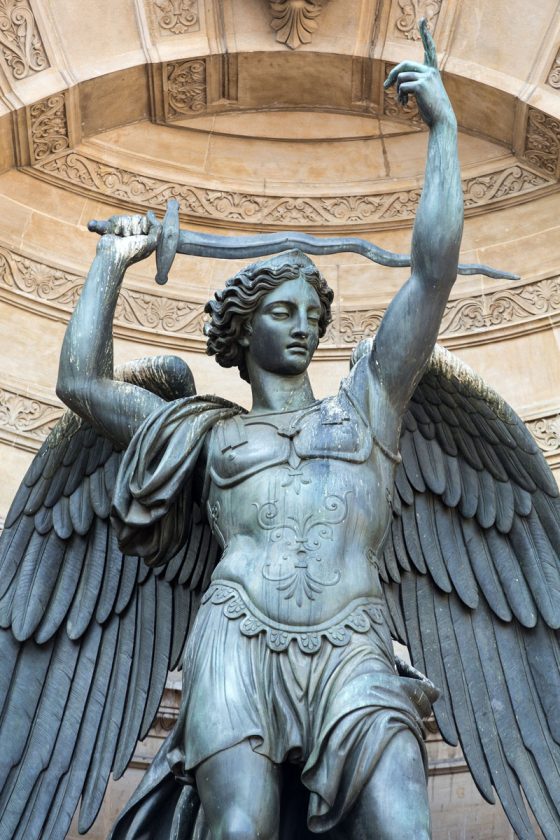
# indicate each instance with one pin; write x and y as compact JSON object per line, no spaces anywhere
{"x":272,"y":392}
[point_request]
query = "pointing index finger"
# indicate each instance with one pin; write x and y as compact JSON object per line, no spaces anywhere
{"x":430,"y":54}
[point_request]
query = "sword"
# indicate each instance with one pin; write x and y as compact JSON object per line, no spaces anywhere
{"x":173,"y":240}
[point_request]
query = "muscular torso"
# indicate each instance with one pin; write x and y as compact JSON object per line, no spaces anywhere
{"x":300,"y":502}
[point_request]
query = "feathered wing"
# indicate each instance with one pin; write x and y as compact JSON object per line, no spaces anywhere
{"x":88,"y":635}
{"x":471,"y":574}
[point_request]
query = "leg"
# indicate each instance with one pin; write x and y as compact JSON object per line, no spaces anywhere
{"x":240,"y":793}
{"x":394,"y":803}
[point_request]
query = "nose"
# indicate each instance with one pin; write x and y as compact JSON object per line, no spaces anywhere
{"x":300,"y":328}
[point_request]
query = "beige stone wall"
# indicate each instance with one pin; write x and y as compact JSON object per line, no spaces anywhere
{"x":112,"y":107}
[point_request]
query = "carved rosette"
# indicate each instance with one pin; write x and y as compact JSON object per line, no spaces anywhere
{"x":542,"y":142}
{"x":295,"y":21}
{"x":48,"y":126}
{"x":176,"y":17}
{"x":185,"y":92}
{"x":410,"y":13}
{"x":554,"y":74}
{"x":20,"y":41}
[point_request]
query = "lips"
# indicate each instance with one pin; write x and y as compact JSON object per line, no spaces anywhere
{"x":297,"y":346}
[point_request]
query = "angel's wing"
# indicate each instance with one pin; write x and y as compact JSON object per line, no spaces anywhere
{"x":88,"y":635}
{"x":471,"y":575}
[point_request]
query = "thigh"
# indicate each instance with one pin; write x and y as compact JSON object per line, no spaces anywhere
{"x":394,"y":803}
{"x":240,"y":793}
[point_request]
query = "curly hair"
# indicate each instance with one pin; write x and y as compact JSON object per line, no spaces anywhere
{"x":232,"y":308}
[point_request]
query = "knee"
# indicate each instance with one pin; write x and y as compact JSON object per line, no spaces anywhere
{"x":237,"y":825}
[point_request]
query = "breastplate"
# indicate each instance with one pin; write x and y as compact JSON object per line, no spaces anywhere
{"x":244,"y":445}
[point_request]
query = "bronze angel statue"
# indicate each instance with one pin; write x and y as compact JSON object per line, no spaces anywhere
{"x":274,"y":554}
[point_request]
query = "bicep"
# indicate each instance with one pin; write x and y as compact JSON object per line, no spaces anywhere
{"x":115,"y":409}
{"x":406,"y":338}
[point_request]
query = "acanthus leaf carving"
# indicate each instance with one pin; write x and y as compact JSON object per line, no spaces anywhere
{"x":295,"y":21}
{"x":410,"y":13}
{"x":28,"y":416}
{"x":209,"y":204}
{"x":554,"y":73}
{"x":546,"y":431}
{"x":176,"y":17}
{"x":49,"y":127}
{"x":185,"y":87}
{"x":20,"y":41}
{"x":542,"y":142}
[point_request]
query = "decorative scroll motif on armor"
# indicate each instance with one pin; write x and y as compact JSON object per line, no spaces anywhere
{"x":554,"y":75}
{"x":99,"y":177}
{"x":411,"y":12}
{"x":295,"y":21}
{"x":49,"y":127}
{"x":20,"y":41}
{"x":303,"y":536}
{"x":360,"y":617}
{"x":542,"y":143}
{"x":186,"y":88}
{"x":176,"y":17}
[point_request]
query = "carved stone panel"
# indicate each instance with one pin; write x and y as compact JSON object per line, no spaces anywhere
{"x":554,"y":74}
{"x":542,"y":142}
{"x":546,"y":431}
{"x":174,"y":17}
{"x":21,"y":45}
{"x":185,"y":88}
{"x":295,"y":21}
{"x":409,"y":13}
{"x":48,"y":127}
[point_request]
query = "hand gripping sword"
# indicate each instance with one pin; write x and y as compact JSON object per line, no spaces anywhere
{"x":172,"y":240}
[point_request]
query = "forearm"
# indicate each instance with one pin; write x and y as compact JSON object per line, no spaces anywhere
{"x":438,"y":227}
{"x":87,"y":349}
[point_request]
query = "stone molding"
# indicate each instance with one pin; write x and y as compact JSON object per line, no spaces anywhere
{"x":87,"y":175}
{"x":174,"y":17}
{"x":175,"y":322}
{"x":542,"y":142}
{"x":185,"y":88}
{"x":553,"y":78}
{"x":546,"y":431}
{"x":409,"y":13}
{"x":21,"y":46}
{"x":295,"y":21}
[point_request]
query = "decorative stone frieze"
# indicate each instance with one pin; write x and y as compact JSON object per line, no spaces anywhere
{"x":514,"y":308}
{"x":25,"y":419}
{"x":542,"y":141}
{"x":546,"y":431}
{"x":175,"y":17}
{"x":185,"y":88}
{"x":21,"y":45}
{"x":295,"y":21}
{"x":553,"y":78}
{"x":93,"y":176}
{"x":48,"y":127}
{"x":410,"y":12}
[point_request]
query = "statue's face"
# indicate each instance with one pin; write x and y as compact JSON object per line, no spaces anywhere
{"x":285,"y":329}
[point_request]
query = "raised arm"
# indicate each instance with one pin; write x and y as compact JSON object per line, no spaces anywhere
{"x":85,"y":378}
{"x":409,"y":329}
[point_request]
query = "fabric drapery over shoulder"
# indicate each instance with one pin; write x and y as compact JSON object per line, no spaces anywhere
{"x":153,"y":493}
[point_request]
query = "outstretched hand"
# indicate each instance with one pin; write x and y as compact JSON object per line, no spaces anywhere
{"x":423,"y":81}
{"x":128,"y":238}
